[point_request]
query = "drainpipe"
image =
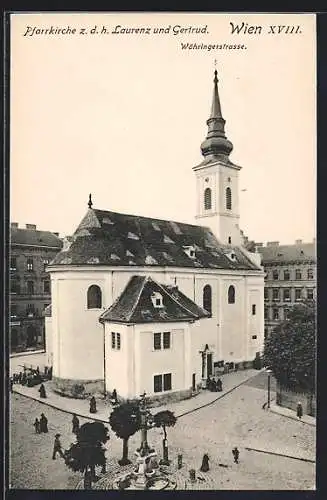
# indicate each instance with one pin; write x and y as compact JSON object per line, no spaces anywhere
{"x":104,"y":359}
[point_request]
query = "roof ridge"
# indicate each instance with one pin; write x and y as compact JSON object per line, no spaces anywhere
{"x":138,"y":296}
{"x":116,"y":300}
{"x":135,"y":216}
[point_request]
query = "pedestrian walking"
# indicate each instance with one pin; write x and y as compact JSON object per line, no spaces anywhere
{"x":11,"y":384}
{"x":236,"y":454}
{"x":37,"y":426}
{"x":93,"y":405}
{"x":75,"y":423}
{"x":42,"y":391}
{"x":299,"y":410}
{"x":219,"y":385}
{"x":43,"y":423}
{"x":205,"y":463}
{"x":57,"y":448}
{"x":114,"y":397}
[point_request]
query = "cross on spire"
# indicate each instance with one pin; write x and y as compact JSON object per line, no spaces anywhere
{"x":90,"y":201}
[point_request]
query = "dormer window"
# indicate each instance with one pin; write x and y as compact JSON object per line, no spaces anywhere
{"x":231,"y":256}
{"x":190,"y":251}
{"x":156,"y":298}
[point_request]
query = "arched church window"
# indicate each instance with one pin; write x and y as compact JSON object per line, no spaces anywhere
{"x":231,"y":295}
{"x":228,"y":198}
{"x":207,"y":199}
{"x":207,"y":298}
{"x":94,"y":297}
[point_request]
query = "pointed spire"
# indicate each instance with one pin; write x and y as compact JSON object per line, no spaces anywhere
{"x":215,"y":108}
{"x":90,"y":201}
{"x":216,"y":144}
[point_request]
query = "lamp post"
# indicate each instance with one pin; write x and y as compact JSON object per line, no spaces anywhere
{"x":269,"y":372}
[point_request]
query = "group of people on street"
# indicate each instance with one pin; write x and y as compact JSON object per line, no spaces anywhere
{"x":41,"y":425}
{"x":30,"y":377}
{"x":205,"y":459}
{"x":214,"y":385}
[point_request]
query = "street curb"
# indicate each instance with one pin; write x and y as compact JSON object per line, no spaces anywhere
{"x":69,"y":412}
{"x":272,"y":410}
{"x":219,"y":397}
{"x":280,"y":455}
{"x":107,"y":421}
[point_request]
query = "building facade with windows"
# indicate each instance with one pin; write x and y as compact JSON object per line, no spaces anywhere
{"x":290,"y":277}
{"x":157,"y":305}
{"x":31,"y":251}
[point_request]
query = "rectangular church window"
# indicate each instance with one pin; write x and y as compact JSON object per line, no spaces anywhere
{"x":157,"y":341}
{"x":157,"y":383}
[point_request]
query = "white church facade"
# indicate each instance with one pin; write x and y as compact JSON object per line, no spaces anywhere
{"x":141,"y":304}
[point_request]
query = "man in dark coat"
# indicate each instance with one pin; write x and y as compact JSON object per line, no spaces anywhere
{"x":43,"y":423}
{"x":11,"y":384}
{"x":42,"y":391}
{"x":93,"y":405}
{"x":219,"y":385}
{"x":75,"y":423}
{"x":205,"y":463}
{"x":57,"y":448}
{"x":114,"y":397}
{"x":299,"y":410}
{"x":236,"y":454}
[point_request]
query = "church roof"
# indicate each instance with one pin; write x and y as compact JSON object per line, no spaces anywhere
{"x":115,"y":239}
{"x":301,"y":252}
{"x":135,"y":304}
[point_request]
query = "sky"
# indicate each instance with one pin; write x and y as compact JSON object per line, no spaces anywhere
{"x":122,"y":116}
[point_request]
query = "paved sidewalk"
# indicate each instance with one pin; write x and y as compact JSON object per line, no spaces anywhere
{"x":81,"y":406}
{"x":286,"y":412}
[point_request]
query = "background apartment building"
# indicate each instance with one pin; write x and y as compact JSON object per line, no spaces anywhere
{"x":30,"y":291}
{"x":290,"y":276}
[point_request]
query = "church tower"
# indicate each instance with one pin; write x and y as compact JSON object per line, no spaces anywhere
{"x":217,"y":187}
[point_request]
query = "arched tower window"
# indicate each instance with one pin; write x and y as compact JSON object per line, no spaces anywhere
{"x":94,"y":297}
{"x":207,"y":199}
{"x":207,"y":298}
{"x":231,"y":295}
{"x":228,"y":198}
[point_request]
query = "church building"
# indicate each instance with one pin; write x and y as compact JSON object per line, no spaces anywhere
{"x":142,"y":304}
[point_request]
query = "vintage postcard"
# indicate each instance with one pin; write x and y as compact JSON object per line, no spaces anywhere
{"x":162,"y":251}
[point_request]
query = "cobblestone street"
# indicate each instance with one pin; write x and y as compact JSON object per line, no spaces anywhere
{"x":235,"y":420}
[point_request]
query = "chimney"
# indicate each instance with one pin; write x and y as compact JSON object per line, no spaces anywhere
{"x":14,"y":225}
{"x":56,"y":234}
{"x":31,"y":226}
{"x":272,"y":243}
{"x":298,"y":242}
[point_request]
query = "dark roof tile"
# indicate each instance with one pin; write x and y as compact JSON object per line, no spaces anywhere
{"x":135,"y":305}
{"x":153,"y":242}
{"x":36,"y":238}
{"x":288,"y":253}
